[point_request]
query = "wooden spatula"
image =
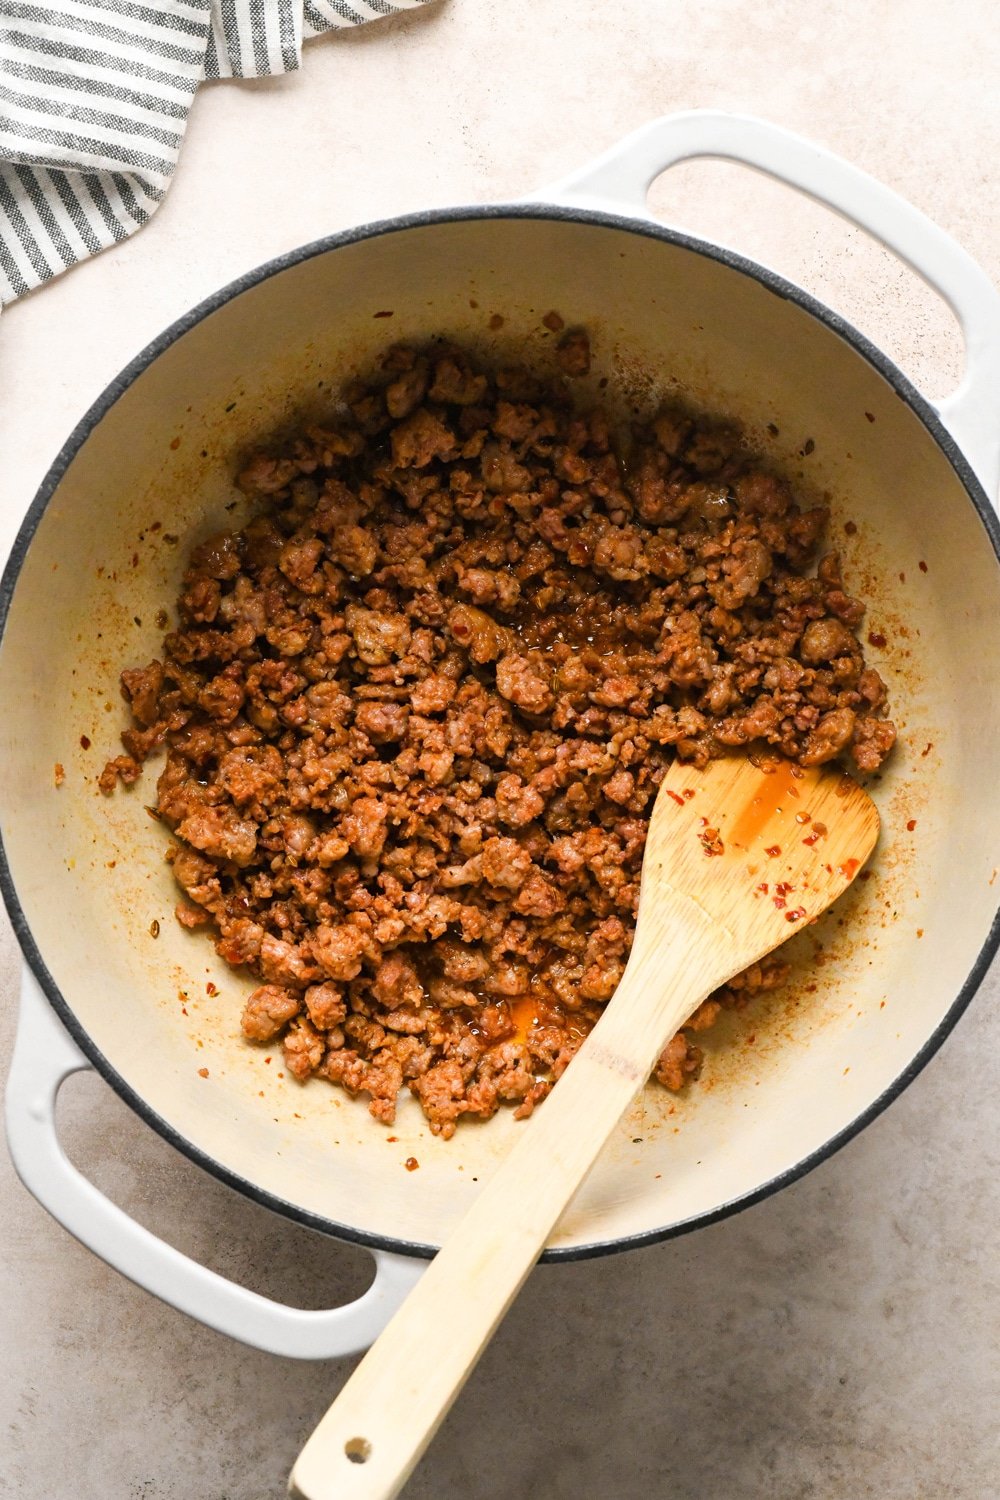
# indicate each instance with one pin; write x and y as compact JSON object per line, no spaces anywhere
{"x":739,"y":856}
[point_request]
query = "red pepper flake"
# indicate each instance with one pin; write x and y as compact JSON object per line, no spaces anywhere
{"x":922,"y":566}
{"x":411,"y":1164}
{"x":876,"y":638}
{"x":711,"y":842}
{"x":911,"y":825}
{"x":211,"y":989}
{"x":773,"y":851}
{"x":58,"y":773}
{"x":782,"y":887}
{"x":202,"y":1072}
{"x":848,"y":868}
{"x":84,"y":742}
{"x":821,"y":829}
{"x":796,"y":915}
{"x":267,"y":1062}
{"x":688,"y":793}
{"x":392,"y":1138}
{"x":703,"y":822}
{"x":763,"y":887}
{"x":850,"y":528}
{"x":927,"y":749}
{"x":779,"y":902}
{"x":674,"y":797}
{"x":811,"y":840}
{"x":920,"y":932}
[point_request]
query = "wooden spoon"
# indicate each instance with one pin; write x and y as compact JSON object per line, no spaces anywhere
{"x":739,"y":856}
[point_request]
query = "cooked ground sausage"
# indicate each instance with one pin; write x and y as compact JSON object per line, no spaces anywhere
{"x":416,"y":713}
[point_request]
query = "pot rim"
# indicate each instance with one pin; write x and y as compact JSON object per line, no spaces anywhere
{"x":771,"y":281}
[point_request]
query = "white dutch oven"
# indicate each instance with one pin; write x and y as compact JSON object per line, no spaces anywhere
{"x":785,"y":1084}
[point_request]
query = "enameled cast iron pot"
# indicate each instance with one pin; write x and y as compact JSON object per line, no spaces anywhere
{"x":160,"y":445}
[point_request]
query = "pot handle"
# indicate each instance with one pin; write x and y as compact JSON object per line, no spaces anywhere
{"x":44,"y":1057}
{"x":619,"y":180}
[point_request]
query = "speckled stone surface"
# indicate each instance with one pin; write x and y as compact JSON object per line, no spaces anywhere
{"x":838,"y":1341}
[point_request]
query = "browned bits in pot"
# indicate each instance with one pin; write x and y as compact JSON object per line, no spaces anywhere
{"x":416,"y":711}
{"x":154,"y":928}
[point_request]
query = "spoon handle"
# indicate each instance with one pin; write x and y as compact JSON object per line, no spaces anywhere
{"x":373,"y":1435}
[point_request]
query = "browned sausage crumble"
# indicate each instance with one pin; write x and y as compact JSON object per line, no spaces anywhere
{"x":416,"y":712}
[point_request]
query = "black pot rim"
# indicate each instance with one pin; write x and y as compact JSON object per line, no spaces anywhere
{"x":918,"y":404}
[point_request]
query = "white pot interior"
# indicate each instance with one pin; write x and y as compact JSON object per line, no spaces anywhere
{"x":782,"y":1079}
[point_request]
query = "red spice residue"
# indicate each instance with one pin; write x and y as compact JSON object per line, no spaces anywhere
{"x":84,"y":742}
{"x":911,"y":825}
{"x":773,"y":851}
{"x":796,"y":915}
{"x":411,"y":1164}
{"x":922,"y":566}
{"x":58,"y":773}
{"x":876,"y":638}
{"x":927,"y":749}
{"x":674,"y":797}
{"x":202,"y":1072}
{"x":848,"y":868}
{"x":211,"y":989}
{"x":920,"y":932}
{"x":711,"y":842}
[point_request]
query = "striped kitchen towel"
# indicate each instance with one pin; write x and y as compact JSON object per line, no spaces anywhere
{"x":94,"y":98}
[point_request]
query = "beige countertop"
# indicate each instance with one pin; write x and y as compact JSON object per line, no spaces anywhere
{"x":837,"y":1341}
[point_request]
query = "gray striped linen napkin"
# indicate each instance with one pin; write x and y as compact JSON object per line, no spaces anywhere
{"x":94,"y":98}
